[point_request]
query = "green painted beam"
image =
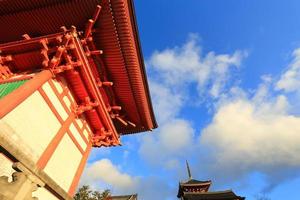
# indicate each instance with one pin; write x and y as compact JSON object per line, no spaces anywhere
{"x":7,"y":88}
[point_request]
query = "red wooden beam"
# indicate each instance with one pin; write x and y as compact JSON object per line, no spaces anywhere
{"x":79,"y":171}
{"x":9,"y":102}
{"x":87,"y":71}
{"x":45,"y":157}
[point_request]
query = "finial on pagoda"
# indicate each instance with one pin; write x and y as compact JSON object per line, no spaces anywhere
{"x":189,"y":170}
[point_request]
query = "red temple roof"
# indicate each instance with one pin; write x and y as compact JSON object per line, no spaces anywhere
{"x":115,"y":32}
{"x":219,"y":195}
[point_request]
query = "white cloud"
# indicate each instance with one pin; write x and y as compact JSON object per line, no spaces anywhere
{"x":103,"y":174}
{"x":178,"y":66}
{"x":172,"y":141}
{"x":290,"y":79}
{"x":167,"y":102}
{"x":249,"y":134}
{"x":103,"y":171}
{"x":176,"y":135}
{"x":250,"y":131}
{"x":173,"y":72}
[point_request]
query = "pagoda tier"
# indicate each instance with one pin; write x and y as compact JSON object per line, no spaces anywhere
{"x":199,"y":190}
{"x":193,"y":186}
{"x":219,"y":195}
{"x":106,"y":31}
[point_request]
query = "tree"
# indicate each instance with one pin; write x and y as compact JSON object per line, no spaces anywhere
{"x":86,"y":193}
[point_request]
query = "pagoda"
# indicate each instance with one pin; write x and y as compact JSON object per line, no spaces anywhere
{"x":199,"y":190}
{"x":72,"y":77}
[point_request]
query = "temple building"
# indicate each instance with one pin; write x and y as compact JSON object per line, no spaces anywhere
{"x":199,"y":190}
{"x":72,"y":77}
{"x":123,"y":197}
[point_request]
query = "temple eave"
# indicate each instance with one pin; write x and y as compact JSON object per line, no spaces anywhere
{"x":114,"y":37}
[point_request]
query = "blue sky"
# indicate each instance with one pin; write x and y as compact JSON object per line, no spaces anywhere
{"x":224,"y":78}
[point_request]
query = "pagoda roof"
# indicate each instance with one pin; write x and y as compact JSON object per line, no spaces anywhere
{"x":217,"y":195}
{"x":115,"y":32}
{"x":202,"y":186}
{"x":195,"y":182}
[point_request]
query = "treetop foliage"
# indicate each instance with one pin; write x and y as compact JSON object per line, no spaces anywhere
{"x":86,"y":193}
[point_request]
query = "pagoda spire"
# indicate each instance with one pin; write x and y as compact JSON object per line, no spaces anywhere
{"x":188,"y":170}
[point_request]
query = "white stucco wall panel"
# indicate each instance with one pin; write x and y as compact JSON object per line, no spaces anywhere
{"x":33,"y":122}
{"x":64,"y":163}
{"x":88,"y":128}
{"x":55,"y":101}
{"x":78,"y":137}
{"x":86,"y":134}
{"x":57,"y":86}
{"x":79,"y":122}
{"x":67,"y":102}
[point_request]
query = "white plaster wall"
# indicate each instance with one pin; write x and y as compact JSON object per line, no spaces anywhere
{"x":79,"y":122}
{"x":44,"y":194}
{"x":33,"y":122}
{"x":33,"y":125}
{"x":67,"y":102}
{"x":86,"y":134}
{"x":78,"y":137}
{"x":6,"y":167}
{"x":64,"y":163}
{"x":57,"y":86}
{"x":55,"y":101}
{"x":88,"y":128}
